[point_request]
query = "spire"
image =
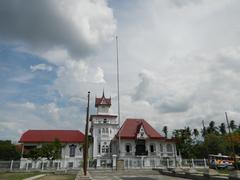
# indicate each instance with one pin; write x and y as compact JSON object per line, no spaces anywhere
{"x":103,"y":96}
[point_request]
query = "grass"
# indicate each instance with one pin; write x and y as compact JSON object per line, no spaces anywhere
{"x":23,"y":175}
{"x":59,"y":177}
{"x":17,"y":175}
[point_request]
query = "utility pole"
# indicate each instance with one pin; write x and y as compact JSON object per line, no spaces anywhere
{"x":119,"y":138}
{"x":204,"y":129}
{"x":85,"y":153}
{"x":230,"y":135}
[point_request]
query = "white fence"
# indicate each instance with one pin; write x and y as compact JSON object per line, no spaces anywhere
{"x":129,"y":163}
{"x":146,"y":162}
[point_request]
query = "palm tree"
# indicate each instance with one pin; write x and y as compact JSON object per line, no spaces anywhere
{"x":195,"y":133}
{"x":165,"y":130}
{"x":222,"y":128}
{"x":232,"y":125}
{"x":212,"y":128}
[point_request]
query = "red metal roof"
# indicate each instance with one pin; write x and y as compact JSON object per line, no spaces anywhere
{"x":130,"y":129}
{"x":34,"y":136}
{"x":103,"y":101}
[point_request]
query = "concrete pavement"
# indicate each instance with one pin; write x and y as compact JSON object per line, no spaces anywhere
{"x":129,"y":175}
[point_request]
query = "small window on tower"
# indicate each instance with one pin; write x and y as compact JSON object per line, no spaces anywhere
{"x":105,"y":121}
{"x":99,"y":148}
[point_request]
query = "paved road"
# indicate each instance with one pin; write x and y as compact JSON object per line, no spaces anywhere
{"x":130,"y":175}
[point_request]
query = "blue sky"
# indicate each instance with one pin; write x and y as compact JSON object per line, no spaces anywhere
{"x":179,"y":62}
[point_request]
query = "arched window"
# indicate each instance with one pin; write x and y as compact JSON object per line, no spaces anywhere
{"x":99,"y":148}
{"x":128,"y":148}
{"x":152,"y":148}
{"x":103,"y":149}
{"x":72,"y":149}
{"x":106,"y":150}
{"x":106,"y":130}
{"x":103,"y":130}
{"x":169,"y":148}
{"x":99,"y":131}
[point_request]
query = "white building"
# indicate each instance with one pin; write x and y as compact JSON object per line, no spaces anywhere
{"x":71,"y":141}
{"x":137,"y":138}
{"x":104,"y":127}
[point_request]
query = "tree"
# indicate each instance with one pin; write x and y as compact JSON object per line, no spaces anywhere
{"x":232,"y":125}
{"x":212,"y":129}
{"x":184,"y":142}
{"x":215,"y":144}
{"x":195,"y":133}
{"x":50,"y":151}
{"x":8,"y":151}
{"x":222,"y":129}
{"x":165,"y":130}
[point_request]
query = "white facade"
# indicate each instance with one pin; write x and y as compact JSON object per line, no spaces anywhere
{"x":104,"y":126}
{"x":71,"y":156}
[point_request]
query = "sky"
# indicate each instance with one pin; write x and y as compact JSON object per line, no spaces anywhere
{"x":179,"y":62}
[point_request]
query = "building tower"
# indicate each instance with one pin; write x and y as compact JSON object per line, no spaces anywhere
{"x":104,"y":126}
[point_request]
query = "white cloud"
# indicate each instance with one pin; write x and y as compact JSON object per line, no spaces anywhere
{"x":80,"y":27}
{"x":40,"y":67}
{"x":23,"y":78}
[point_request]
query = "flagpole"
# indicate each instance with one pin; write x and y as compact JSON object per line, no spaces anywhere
{"x":119,"y":138}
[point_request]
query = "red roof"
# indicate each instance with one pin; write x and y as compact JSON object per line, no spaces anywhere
{"x":103,"y":101}
{"x":34,"y":136}
{"x":130,"y":129}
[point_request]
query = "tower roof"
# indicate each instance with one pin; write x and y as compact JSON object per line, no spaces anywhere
{"x":103,"y":101}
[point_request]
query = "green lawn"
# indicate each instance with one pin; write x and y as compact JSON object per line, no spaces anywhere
{"x":17,"y":175}
{"x":59,"y":177}
{"x":23,"y":175}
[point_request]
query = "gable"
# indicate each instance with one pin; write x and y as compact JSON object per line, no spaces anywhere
{"x":131,"y":127}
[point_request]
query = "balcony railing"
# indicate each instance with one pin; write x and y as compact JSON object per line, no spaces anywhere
{"x":141,"y":153}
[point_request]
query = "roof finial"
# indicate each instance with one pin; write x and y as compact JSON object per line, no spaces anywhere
{"x":103,"y":93}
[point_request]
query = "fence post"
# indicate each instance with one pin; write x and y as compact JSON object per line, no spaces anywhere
{"x":27,"y":166}
{"x":205,"y":163}
{"x":192,"y":163}
{"x":42,"y":165}
{"x":11,"y":166}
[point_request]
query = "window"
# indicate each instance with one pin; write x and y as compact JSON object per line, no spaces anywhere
{"x":110,"y":148}
{"x":152,"y":148}
{"x":103,"y":130}
{"x":161,"y":148}
{"x":72,"y":149}
{"x":99,"y":148}
{"x":106,"y":130}
{"x":99,"y":131}
{"x":103,"y":149}
{"x":169,"y":148}
{"x":106,"y":150}
{"x":128,"y":148}
{"x":105,"y":121}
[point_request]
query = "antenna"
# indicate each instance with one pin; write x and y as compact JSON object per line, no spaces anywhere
{"x":119,"y":138}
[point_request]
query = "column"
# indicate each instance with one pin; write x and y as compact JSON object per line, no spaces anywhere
{"x":98,"y":161}
{"x":114,"y":160}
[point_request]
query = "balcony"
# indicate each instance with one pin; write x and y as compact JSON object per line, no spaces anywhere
{"x":141,"y":153}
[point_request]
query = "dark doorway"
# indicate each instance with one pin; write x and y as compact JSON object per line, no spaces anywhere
{"x":140,"y":148}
